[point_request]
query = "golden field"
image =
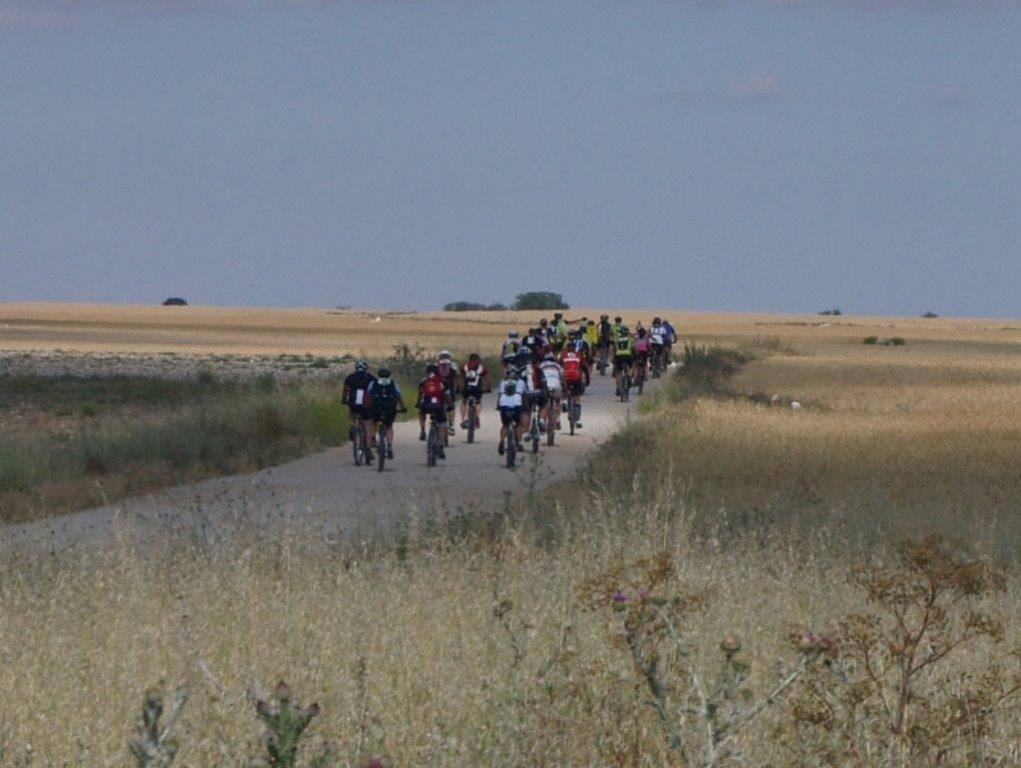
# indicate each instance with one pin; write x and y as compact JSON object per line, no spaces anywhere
{"x":584,"y":628}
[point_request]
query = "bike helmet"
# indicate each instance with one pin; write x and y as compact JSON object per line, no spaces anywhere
{"x":641,"y":333}
{"x":624,"y":330}
{"x":543,"y":323}
{"x":618,"y":320}
{"x":383,"y":377}
{"x":512,"y":334}
{"x":361,"y":365}
{"x":445,"y":355}
{"x":656,"y":321}
{"x":557,"y":315}
{"x":431,"y":369}
{"x":604,"y":317}
{"x":474,"y":357}
{"x":512,"y":374}
{"x":550,"y":357}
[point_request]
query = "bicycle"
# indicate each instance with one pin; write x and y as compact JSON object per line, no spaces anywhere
{"x":657,"y":363}
{"x":551,"y":422}
{"x":433,"y":442}
{"x":572,"y":410}
{"x":533,"y":428}
{"x":383,"y":446}
{"x":640,"y":380}
{"x":473,"y":418}
{"x":602,"y":360}
{"x":360,"y":442}
{"x":511,"y":449}
{"x":625,"y":385}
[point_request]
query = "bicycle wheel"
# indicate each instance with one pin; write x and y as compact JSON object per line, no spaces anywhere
{"x":533,"y":432}
{"x":471,"y":423}
{"x":381,"y":446}
{"x":430,"y":446}
{"x":551,"y":427}
{"x":641,"y":381}
{"x":512,"y":448}
{"x":358,"y":445}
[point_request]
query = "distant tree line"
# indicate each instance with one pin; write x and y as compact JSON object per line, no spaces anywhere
{"x":529,"y":300}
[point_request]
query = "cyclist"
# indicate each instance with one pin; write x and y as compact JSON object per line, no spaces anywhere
{"x":668,"y":341}
{"x":554,"y":376}
{"x":657,"y":337}
{"x":623,"y":356}
{"x":511,"y":406}
{"x":510,"y":348}
{"x":605,"y":331}
{"x":579,"y":345}
{"x":643,"y":348}
{"x":532,"y":344}
{"x":384,"y":399}
{"x":474,"y":381}
{"x":535,"y":392}
{"x":591,"y":335}
{"x":615,"y":329}
{"x":560,"y":325}
{"x":448,"y":370}
{"x":432,"y":399}
{"x":353,"y":395}
{"x":576,"y":377}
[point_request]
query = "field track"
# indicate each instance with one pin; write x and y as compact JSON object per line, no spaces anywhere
{"x":325,"y":494}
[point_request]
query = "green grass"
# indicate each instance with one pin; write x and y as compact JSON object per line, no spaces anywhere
{"x":240,"y":428}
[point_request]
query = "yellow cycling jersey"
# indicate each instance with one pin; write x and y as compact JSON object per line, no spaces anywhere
{"x":592,"y":335}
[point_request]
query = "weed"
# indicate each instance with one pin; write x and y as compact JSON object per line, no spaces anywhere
{"x":151,"y":743}
{"x":285,"y":722}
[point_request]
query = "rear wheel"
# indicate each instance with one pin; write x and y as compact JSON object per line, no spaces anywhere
{"x":471,"y":423}
{"x":431,"y":446}
{"x":358,"y":445}
{"x":512,"y":448}
{"x":381,"y":447}
{"x":551,"y":426}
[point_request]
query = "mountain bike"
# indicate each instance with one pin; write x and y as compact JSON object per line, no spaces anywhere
{"x":571,"y":408}
{"x":511,"y":449}
{"x":602,"y":359}
{"x":360,"y":441}
{"x":533,"y":427}
{"x":383,"y":446}
{"x":472,"y":415}
{"x":434,"y":441}
{"x":625,"y":385}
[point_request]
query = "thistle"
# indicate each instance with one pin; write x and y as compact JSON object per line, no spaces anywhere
{"x":285,"y":721}
{"x":151,"y":744}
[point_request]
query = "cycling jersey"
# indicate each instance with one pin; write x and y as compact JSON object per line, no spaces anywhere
{"x":658,"y":335}
{"x":510,"y":349}
{"x":473,"y":375}
{"x":533,"y":379}
{"x":384,"y":393}
{"x":591,"y":336}
{"x":519,"y":385}
{"x":573,"y":364}
{"x":432,"y":391}
{"x":624,"y":346}
{"x":510,"y":401}
{"x":671,"y":334}
{"x":356,"y":385}
{"x":553,"y":374}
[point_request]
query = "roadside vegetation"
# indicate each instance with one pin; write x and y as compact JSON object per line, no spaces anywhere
{"x":732,"y":580}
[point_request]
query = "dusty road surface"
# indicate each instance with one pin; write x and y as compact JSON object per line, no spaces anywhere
{"x":325,"y":494}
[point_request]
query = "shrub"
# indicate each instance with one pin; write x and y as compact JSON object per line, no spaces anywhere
{"x":472,"y":306}
{"x":832,"y":312}
{"x":871,"y":340}
{"x":540,"y":300}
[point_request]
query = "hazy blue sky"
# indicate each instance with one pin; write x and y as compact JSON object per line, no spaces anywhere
{"x":745,"y":155}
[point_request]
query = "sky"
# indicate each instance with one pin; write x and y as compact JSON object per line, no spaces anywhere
{"x":740,"y":155}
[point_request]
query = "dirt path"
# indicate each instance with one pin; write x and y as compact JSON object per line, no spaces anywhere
{"x":328,"y":495}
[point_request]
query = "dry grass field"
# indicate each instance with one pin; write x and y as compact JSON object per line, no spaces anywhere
{"x":722,"y":585}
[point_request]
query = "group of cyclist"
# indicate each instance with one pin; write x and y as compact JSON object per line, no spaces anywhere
{"x":541,"y":367}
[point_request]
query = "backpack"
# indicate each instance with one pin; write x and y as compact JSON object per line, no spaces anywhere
{"x":433,"y":389}
{"x":623,"y":344}
{"x":642,"y":346}
{"x":572,"y":368}
{"x":383,"y":392}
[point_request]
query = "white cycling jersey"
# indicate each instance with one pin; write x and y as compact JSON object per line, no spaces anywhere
{"x":518,"y":384}
{"x":511,"y":401}
{"x":554,"y":376}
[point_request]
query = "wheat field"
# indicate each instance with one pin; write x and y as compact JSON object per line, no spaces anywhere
{"x":545,"y":636}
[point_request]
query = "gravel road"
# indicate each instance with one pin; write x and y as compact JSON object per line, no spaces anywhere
{"x":325,"y":494}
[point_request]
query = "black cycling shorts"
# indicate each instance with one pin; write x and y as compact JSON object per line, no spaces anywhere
{"x":438,"y":410}
{"x":621,"y":363}
{"x":576,"y":388}
{"x":510,"y":415}
{"x":384,"y":414}
{"x":536,"y":398}
{"x":358,"y":411}
{"x":475,"y":392}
